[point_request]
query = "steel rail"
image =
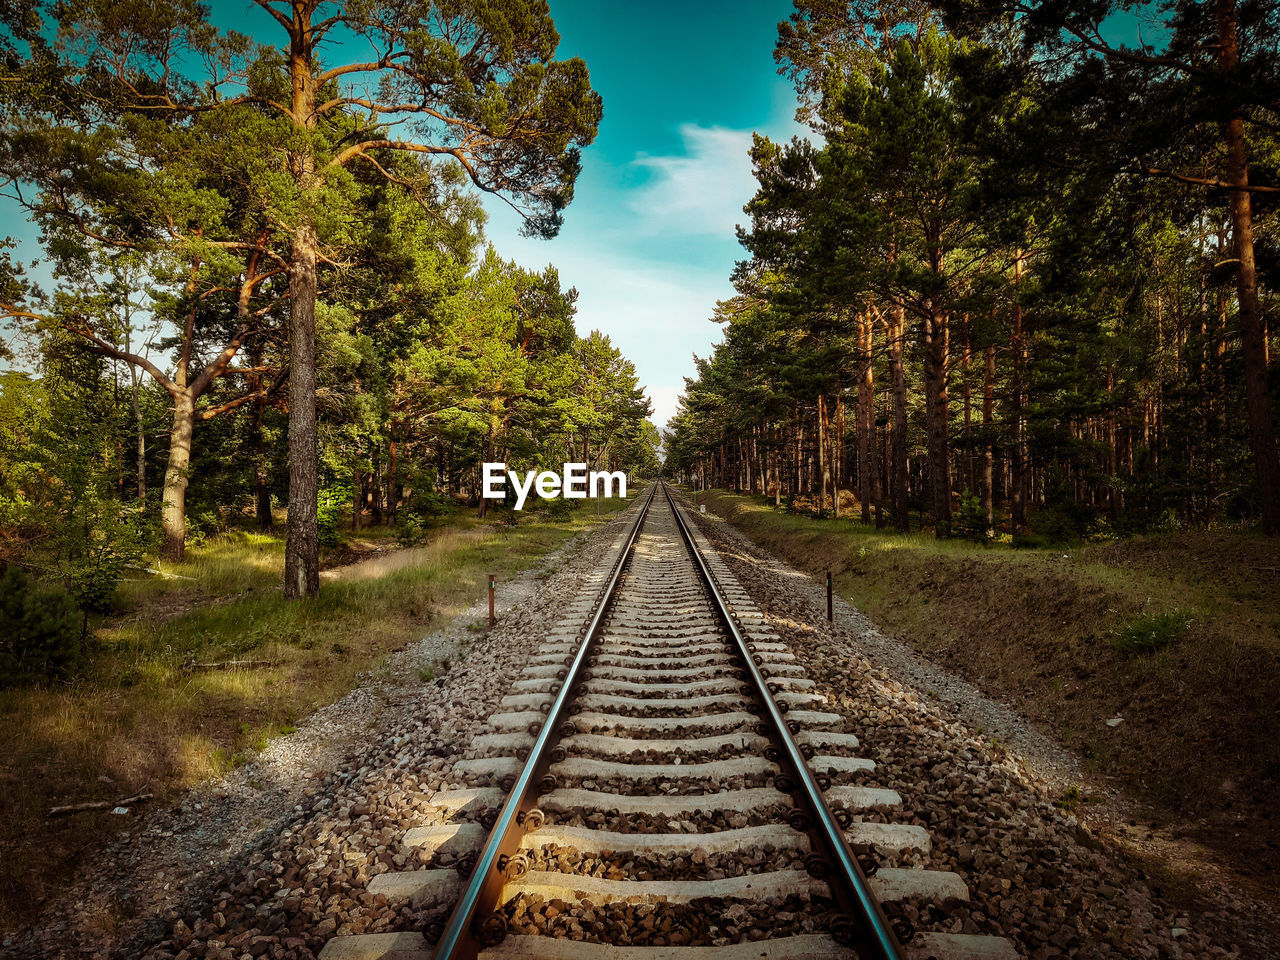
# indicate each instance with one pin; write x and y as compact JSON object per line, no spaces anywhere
{"x":461,"y":940}
{"x":850,"y":885}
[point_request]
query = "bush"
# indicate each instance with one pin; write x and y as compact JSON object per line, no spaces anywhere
{"x":1152,"y":631}
{"x":970,"y":518}
{"x":95,"y":547}
{"x":330,"y":511}
{"x":559,"y":509}
{"x":1066,"y":522}
{"x":202,"y":525}
{"x":40,"y":628}
{"x":415,"y":518}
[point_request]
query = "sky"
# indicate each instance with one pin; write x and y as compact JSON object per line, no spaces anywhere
{"x":649,"y":238}
{"x":648,"y":241}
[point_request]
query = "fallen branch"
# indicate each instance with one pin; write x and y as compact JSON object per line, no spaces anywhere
{"x":96,"y":805}
{"x":228,"y":664}
{"x":158,"y":573}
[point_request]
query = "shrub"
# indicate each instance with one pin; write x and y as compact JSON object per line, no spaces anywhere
{"x":40,"y":628}
{"x":1064,"y":523}
{"x":415,"y":517}
{"x":332,"y":508}
{"x":970,"y":518}
{"x":1070,"y":799}
{"x":559,"y":509}
{"x":1152,"y":631}
{"x":203,"y":525}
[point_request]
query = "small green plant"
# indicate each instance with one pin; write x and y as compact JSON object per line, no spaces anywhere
{"x":1152,"y":631}
{"x":1070,"y":799}
{"x":970,"y":519}
{"x":222,"y":760}
{"x":426,"y":674}
{"x":558,"y":509}
{"x":40,"y":628}
{"x":415,"y":519}
{"x":332,"y":508}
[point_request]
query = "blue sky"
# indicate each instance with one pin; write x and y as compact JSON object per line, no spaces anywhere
{"x":648,"y":240}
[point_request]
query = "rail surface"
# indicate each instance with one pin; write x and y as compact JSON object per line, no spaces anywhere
{"x":663,"y":781}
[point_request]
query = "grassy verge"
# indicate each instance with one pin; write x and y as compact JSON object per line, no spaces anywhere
{"x":1178,"y":634}
{"x":140,"y":721}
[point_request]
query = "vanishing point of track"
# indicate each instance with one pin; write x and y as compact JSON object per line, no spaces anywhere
{"x":662,"y":782}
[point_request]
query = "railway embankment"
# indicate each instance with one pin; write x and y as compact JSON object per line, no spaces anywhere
{"x":1136,"y":678}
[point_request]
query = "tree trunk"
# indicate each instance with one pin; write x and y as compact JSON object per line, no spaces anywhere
{"x":1262,"y":437}
{"x":1113,"y":465}
{"x":777,"y":469}
{"x":1018,"y":451}
{"x":935,"y":384}
{"x":357,"y":499}
{"x":393,"y":482}
{"x":970,"y":480}
{"x":989,"y":448}
{"x":302,"y":543}
{"x":173,"y":511}
{"x":901,"y":488}
{"x":822,"y":466}
{"x":142,"y":439}
{"x":866,"y":418}
{"x":375,"y":483}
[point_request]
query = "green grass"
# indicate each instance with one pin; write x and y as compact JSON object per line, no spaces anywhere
{"x":140,"y":717}
{"x":1152,"y":631}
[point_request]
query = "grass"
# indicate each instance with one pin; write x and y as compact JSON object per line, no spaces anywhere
{"x":141,"y":719}
{"x":1178,"y":633}
{"x":1152,"y":631}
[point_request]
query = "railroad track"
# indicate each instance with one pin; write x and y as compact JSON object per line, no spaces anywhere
{"x":663,"y":782}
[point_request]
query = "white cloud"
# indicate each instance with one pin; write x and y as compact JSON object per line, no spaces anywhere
{"x":665,"y":401}
{"x":700,"y":191}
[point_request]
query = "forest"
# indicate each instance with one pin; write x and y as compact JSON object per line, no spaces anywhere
{"x":1017,"y":281}
{"x":272,"y":299}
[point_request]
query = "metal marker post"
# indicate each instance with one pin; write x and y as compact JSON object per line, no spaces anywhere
{"x":491,"y":620}
{"x":829,"y":617}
